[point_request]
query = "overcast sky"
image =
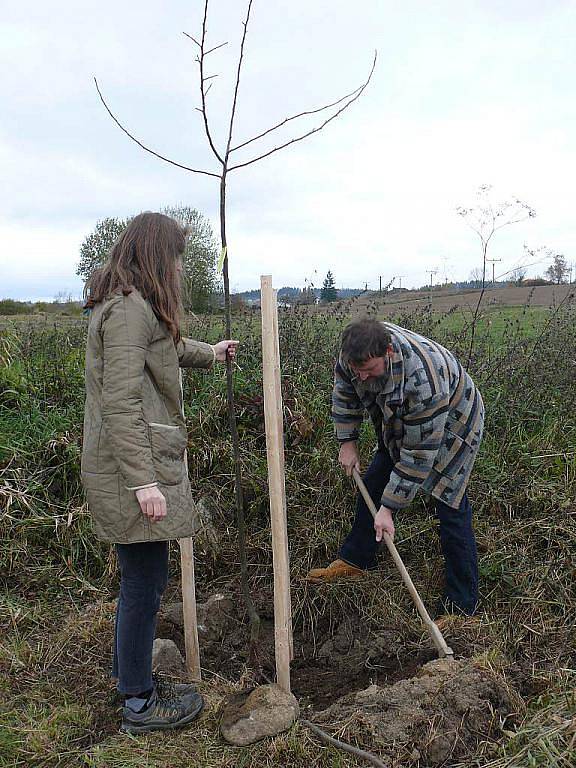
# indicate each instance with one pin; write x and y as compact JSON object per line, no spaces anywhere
{"x":465,"y":93}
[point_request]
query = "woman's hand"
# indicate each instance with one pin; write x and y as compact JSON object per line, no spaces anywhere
{"x":152,"y":503}
{"x":383,"y":523}
{"x":225,"y":349}
{"x":348,"y":457}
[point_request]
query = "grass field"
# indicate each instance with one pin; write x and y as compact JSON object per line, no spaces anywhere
{"x":58,"y":584}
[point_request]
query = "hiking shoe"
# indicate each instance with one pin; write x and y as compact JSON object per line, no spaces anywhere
{"x":184,"y":689}
{"x":338,"y":569}
{"x":162,"y":712}
{"x":167,"y":689}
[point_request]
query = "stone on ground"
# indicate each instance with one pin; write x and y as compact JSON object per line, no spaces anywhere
{"x":167,"y":658}
{"x":215,"y":616}
{"x":253,"y":715}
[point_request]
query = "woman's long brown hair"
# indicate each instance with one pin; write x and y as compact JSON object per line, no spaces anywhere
{"x":144,"y":257}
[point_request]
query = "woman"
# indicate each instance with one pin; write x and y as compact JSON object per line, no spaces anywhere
{"x":133,"y":460}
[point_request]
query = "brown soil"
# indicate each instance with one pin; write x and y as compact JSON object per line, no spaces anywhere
{"x":439,"y":715}
{"x":444,"y":300}
{"x":369,"y":689}
{"x":336,"y":662}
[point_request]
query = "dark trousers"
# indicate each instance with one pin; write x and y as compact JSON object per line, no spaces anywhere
{"x":144,"y":575}
{"x":456,"y":537}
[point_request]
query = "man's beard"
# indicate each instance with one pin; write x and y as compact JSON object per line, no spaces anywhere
{"x":375,"y":383}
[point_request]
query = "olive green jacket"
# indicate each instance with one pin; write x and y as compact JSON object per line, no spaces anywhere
{"x":134,"y":431}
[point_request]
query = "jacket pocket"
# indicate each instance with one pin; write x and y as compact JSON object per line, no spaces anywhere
{"x":168,"y":445}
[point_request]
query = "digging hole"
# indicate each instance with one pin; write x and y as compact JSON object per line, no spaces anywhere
{"x":337,"y":661}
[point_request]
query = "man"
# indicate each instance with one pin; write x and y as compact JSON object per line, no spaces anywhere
{"x":429,"y":418}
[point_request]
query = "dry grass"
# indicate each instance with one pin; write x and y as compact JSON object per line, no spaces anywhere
{"x":57,"y":583}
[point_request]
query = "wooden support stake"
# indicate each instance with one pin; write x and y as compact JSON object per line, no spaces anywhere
{"x":189,"y":607}
{"x":280,"y":419}
{"x":276,"y":484}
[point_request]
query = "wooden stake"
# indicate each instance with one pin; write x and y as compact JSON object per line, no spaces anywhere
{"x":280,"y":419}
{"x":276,"y":484}
{"x":189,"y":607}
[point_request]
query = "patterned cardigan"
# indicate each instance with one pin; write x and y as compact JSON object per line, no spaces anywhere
{"x":427,"y":412}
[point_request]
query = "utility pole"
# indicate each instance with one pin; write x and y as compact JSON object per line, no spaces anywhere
{"x":445,"y":260}
{"x":493,"y":261}
{"x":400,"y":281}
{"x":380,"y":289}
{"x":432,"y":273}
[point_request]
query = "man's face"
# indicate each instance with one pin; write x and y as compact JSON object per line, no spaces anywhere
{"x":373,"y":368}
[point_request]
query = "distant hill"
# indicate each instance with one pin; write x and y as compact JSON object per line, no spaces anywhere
{"x":291,"y":294}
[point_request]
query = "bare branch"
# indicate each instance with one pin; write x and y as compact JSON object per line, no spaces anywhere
{"x":147,"y":149}
{"x":327,"y":739}
{"x":515,"y":220}
{"x":209,"y":77}
{"x":202,"y":91}
{"x":215,"y":48}
{"x":358,"y":93}
{"x":192,"y":38}
{"x":294,"y":117}
{"x":237,"y":84}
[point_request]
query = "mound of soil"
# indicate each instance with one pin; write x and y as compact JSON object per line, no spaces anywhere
{"x":440,"y":714}
{"x":397,"y":702}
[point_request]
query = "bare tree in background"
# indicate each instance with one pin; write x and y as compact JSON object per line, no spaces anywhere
{"x":225,"y":161}
{"x":558,"y":271}
{"x":476,"y":276}
{"x":485,"y":219}
{"x":518,"y":275}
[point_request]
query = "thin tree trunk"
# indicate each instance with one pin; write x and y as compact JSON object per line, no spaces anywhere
{"x":240,"y":521}
{"x":477,"y":310}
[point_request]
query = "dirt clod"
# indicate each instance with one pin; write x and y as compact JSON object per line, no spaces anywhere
{"x":441,"y":713}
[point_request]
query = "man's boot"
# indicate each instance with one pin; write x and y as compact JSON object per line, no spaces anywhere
{"x":338,"y":569}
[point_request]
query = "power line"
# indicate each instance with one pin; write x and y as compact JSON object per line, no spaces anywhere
{"x":493,"y":261}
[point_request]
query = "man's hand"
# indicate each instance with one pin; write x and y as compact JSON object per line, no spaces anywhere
{"x":152,"y":503}
{"x":383,"y":523}
{"x":225,"y":349}
{"x":348,"y":457}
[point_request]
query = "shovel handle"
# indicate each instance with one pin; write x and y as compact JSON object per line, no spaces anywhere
{"x":444,"y":649}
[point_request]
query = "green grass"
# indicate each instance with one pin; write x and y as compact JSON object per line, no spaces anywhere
{"x":57,"y":582}
{"x":497,"y":322}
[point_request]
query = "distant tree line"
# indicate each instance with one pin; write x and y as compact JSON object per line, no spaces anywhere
{"x":307,"y":295}
{"x":60,"y":306}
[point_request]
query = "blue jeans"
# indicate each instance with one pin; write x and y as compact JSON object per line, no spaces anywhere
{"x":456,"y":538}
{"x":144,"y":575}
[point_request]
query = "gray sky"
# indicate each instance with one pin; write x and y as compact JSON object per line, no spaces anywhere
{"x":465,"y":93}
